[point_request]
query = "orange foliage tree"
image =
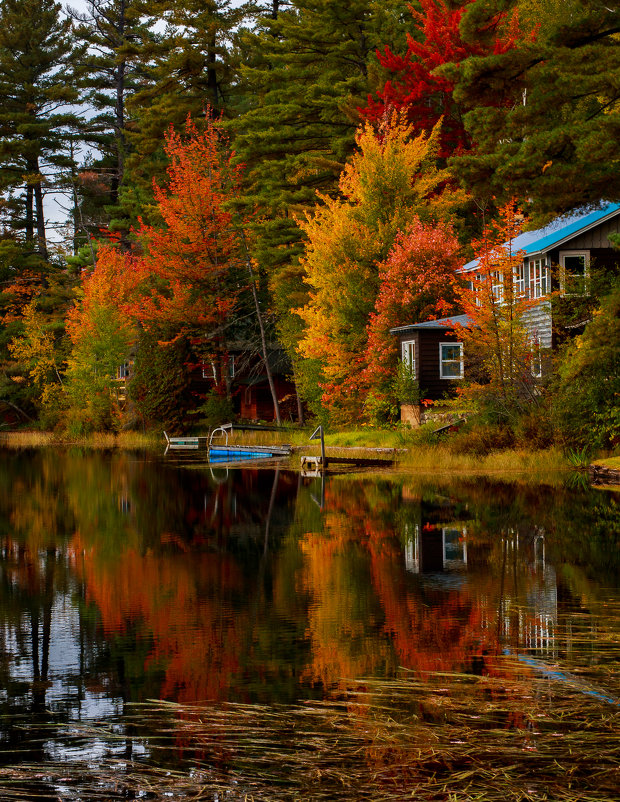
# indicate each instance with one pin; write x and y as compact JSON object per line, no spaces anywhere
{"x":500,"y":347}
{"x":191,"y":257}
{"x":101,"y":336}
{"x":417,"y":282}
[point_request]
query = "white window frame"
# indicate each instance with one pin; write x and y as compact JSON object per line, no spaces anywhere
{"x":209,"y":371}
{"x":231,"y":366}
{"x":518,"y":281}
{"x":475,"y":283}
{"x":122,"y":371}
{"x":586,"y":271}
{"x":497,"y":286}
{"x":451,"y":361}
{"x":538,"y":277}
{"x":408,"y":354}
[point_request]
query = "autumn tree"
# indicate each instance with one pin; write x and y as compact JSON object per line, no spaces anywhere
{"x":417,"y":84}
{"x":498,"y":346}
{"x":37,"y":350}
{"x":102,"y":336}
{"x":389,"y":182}
{"x":191,"y":260}
{"x":417,"y":282}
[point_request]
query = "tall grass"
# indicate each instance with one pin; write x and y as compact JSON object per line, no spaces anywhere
{"x":414,"y":452}
{"x":101,"y":440}
{"x":507,"y":737}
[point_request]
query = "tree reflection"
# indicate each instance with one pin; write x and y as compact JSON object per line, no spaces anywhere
{"x":123,"y":578}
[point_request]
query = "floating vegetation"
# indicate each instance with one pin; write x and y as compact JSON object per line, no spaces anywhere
{"x":508,"y":736}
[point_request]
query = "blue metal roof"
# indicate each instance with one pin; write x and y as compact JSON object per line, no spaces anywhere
{"x":556,"y":232}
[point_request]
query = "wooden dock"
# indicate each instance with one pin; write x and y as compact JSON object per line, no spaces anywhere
{"x":186,"y":443}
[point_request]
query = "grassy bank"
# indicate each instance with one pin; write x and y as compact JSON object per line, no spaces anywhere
{"x":35,"y":439}
{"x":413,"y":452}
{"x":609,"y":462}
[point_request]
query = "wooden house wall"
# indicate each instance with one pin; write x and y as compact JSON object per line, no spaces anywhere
{"x":256,"y":404}
{"x":595,"y":238}
{"x":539,"y":324}
{"x":427,"y":361}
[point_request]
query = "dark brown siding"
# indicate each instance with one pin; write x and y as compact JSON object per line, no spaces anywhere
{"x":427,"y":361}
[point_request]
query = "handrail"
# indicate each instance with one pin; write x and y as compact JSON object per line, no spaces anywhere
{"x":225,"y":429}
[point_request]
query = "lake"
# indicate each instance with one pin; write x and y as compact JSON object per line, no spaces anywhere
{"x":171,"y":630}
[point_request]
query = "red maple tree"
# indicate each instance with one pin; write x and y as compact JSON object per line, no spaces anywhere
{"x":417,"y":86}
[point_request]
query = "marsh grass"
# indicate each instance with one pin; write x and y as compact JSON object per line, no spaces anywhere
{"x":497,"y":738}
{"x":97,"y":440}
{"x":413,"y":453}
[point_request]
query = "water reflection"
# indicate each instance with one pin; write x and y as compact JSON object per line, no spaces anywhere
{"x":125,"y":578}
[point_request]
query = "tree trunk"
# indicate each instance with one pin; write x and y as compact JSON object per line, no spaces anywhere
{"x":29,"y":213}
{"x":263,"y":339}
{"x":40,"y":214}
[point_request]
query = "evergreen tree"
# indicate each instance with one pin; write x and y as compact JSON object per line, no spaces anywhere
{"x":190,"y":70}
{"x":118,"y":36}
{"x":553,"y":137}
{"x":36,"y":63}
{"x":307,"y":68}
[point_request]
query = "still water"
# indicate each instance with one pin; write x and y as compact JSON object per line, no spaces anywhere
{"x":172,"y":631}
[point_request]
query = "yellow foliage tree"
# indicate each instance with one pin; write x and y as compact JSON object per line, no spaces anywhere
{"x":390,"y":181}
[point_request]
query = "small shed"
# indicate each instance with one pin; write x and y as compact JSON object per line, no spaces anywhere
{"x":434,"y":355}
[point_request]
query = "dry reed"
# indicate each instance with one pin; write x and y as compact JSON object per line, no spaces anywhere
{"x":444,"y":737}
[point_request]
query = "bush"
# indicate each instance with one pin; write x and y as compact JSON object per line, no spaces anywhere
{"x":482,"y":438}
{"x":587,"y":396}
{"x":534,"y":428}
{"x":216,"y":410}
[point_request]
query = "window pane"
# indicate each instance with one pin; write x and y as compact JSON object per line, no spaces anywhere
{"x":575,"y":265}
{"x":451,"y":370}
{"x":408,"y":354}
{"x":451,"y":358}
{"x":451,"y":352}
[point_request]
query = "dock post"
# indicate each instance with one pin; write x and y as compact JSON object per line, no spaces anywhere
{"x":316,"y":434}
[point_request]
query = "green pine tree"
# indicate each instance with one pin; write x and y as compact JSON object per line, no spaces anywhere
{"x":308,"y":66}
{"x":118,"y":37}
{"x":190,"y":69}
{"x":37,"y":57}
{"x":553,"y":136}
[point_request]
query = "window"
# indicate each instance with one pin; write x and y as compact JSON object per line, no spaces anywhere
{"x":518,"y":281}
{"x":408,"y":355}
{"x":574,"y":271}
{"x":209,"y":371}
{"x":497,"y":286}
{"x":539,"y":278}
{"x":451,"y":360}
{"x":474,"y":286}
{"x":122,"y":371}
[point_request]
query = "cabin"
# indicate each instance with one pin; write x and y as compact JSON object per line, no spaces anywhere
{"x":249,"y":384}
{"x":557,"y":258}
{"x":434,"y":357}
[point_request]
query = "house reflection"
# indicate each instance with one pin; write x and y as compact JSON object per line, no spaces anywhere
{"x":528,"y":611}
{"x":433,"y":549}
{"x":506,"y":574}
